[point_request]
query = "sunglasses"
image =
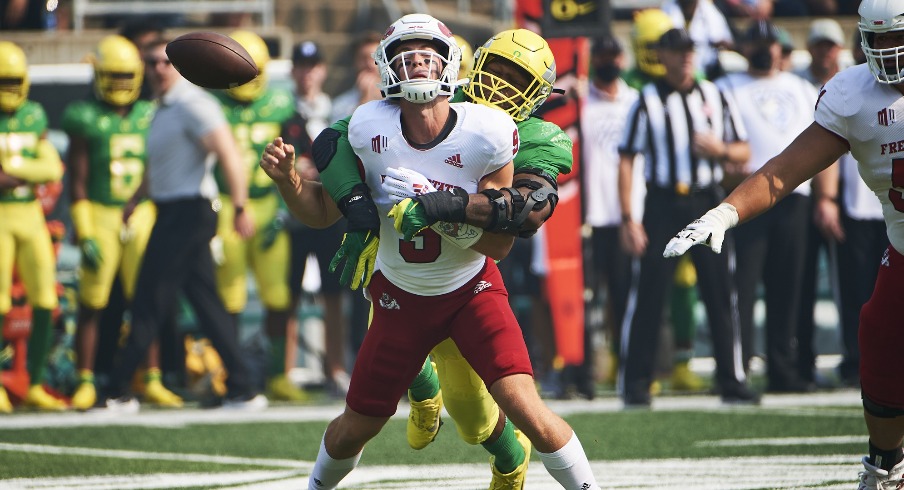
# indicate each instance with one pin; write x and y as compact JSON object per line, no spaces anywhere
{"x":157,"y":61}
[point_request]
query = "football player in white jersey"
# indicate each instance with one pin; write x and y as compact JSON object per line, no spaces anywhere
{"x":857,"y":111}
{"x":427,"y":289}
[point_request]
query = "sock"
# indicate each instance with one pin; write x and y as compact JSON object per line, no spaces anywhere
{"x":152,"y":374}
{"x":508,"y":452}
{"x":425,"y":385}
{"x":328,"y":472}
{"x":86,"y":376}
{"x":569,"y":465}
{"x":885,"y":459}
{"x":684,"y":321}
{"x":277,"y":364}
{"x":39,"y":344}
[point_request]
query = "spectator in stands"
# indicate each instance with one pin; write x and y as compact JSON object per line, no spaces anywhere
{"x":367,"y":78}
{"x":708,"y":29}
{"x":309,"y":72}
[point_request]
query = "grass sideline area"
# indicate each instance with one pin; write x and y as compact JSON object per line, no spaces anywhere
{"x":694,"y":442}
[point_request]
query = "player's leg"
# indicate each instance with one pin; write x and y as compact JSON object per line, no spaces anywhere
{"x":883,"y":388}
{"x":7,"y":259}
{"x":336,"y":331}
{"x":232,"y":267}
{"x":683,"y":304}
{"x":37,"y":266}
{"x":486,"y":332}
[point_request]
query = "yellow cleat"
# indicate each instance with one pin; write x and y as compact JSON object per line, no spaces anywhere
{"x":5,"y":405}
{"x":41,"y":400}
{"x":424,"y":420}
{"x":655,"y":388}
{"x":683,"y":379}
{"x":85,"y":396}
{"x":515,"y":479}
{"x":280,"y":387}
{"x":157,"y":394}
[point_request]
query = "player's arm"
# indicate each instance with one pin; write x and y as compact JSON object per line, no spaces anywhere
{"x":7,"y":181}
{"x":306,"y":199}
{"x":80,"y":209}
{"x":632,"y":235}
{"x":495,"y":245}
{"x":826,"y":211}
{"x":814,"y":150}
{"x":220,"y":142}
{"x":46,"y":166}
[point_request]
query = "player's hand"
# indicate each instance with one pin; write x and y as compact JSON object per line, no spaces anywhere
{"x":708,"y":230}
{"x":359,"y":250}
{"x":278,"y":161}
{"x":409,"y":218}
{"x":91,"y":256}
{"x":243,"y":225}
{"x":633,"y":238}
{"x":401,"y":183}
{"x":827,"y":218}
{"x":270,"y":232}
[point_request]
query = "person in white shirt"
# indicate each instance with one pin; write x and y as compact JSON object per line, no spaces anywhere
{"x":857,"y":112}
{"x":708,"y":29}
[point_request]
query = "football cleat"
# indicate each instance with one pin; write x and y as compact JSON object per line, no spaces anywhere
{"x":873,"y":478}
{"x":126,"y":405}
{"x":157,"y":394}
{"x":280,"y":387}
{"x":515,"y":479}
{"x":38,"y":398}
{"x":247,"y":403}
{"x":683,"y":379}
{"x":424,"y":420}
{"x":5,"y":405}
{"x":85,"y":396}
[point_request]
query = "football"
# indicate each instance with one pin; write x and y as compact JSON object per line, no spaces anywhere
{"x":211,"y":60}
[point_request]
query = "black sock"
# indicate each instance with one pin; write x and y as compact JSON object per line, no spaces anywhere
{"x":886,"y":460}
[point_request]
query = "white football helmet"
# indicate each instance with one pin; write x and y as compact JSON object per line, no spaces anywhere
{"x":877,"y":17}
{"x":448,"y":54}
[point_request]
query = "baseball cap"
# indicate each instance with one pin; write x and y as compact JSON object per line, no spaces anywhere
{"x":306,"y":52}
{"x":784,"y":38}
{"x":762,"y":30}
{"x":826,"y":30}
{"x":606,"y":44}
{"x":675,"y":38}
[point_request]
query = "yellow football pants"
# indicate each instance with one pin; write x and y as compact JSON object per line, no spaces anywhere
{"x":26,"y":244}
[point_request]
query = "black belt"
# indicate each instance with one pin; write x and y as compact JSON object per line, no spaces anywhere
{"x":680,"y":189}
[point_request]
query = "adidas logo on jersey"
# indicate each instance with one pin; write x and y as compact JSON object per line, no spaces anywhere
{"x":454,"y":160}
{"x":481,"y":286}
{"x":885,"y":261}
{"x":388,"y":302}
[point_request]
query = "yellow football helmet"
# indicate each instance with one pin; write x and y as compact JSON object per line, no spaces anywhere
{"x":649,"y":26}
{"x":467,"y":56}
{"x":13,"y":77}
{"x":525,"y":50}
{"x":118,"y":71}
{"x":260,"y":53}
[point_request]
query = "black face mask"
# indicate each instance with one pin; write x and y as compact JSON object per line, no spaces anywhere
{"x":761,"y":59}
{"x":607,"y":73}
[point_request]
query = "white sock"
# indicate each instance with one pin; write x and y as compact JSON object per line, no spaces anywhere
{"x":328,"y":472}
{"x":569,"y":466}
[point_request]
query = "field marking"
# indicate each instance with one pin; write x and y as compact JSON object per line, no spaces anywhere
{"x":784,"y":441}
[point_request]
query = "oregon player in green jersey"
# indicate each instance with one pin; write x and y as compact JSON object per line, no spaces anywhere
{"x":514,"y":71}
{"x":256,"y":115}
{"x":26,"y":158}
{"x":106,"y":155}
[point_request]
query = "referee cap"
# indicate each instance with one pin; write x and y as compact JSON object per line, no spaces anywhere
{"x":675,"y":38}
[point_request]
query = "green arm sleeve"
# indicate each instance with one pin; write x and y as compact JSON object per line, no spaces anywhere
{"x":46,"y":166}
{"x":336,"y":161}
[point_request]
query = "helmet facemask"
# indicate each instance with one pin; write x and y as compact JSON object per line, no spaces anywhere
{"x":118,"y":71}
{"x":394,"y":66}
{"x":878,"y":18}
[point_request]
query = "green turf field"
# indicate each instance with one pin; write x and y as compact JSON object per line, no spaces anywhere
{"x":807,"y":441}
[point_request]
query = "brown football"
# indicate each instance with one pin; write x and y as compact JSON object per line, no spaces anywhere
{"x":211,"y":60}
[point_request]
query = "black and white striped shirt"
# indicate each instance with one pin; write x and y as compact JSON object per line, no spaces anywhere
{"x":661,"y":125}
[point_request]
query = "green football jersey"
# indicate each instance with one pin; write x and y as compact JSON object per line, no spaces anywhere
{"x":117,"y":146}
{"x":20,"y":133}
{"x":543,"y":145}
{"x":254,"y":125}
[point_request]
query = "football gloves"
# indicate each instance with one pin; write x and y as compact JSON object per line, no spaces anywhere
{"x":401,"y":183}
{"x":709,"y":229}
{"x":91,"y":256}
{"x":359,"y":249}
{"x":270,"y":232}
{"x":409,"y":218}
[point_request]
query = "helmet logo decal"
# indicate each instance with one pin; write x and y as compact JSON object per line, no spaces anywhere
{"x":445,"y":30}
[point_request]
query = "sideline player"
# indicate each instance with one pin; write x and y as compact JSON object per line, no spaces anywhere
{"x":427,"y":246}
{"x":26,"y":158}
{"x":107,"y":138}
{"x":855,"y":112}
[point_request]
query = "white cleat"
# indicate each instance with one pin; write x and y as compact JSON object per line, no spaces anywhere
{"x":873,"y":478}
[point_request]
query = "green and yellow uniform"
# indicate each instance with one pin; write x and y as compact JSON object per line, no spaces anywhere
{"x":254,"y":125}
{"x":116,"y":147}
{"x":25,"y":243}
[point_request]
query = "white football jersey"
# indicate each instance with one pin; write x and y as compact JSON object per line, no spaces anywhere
{"x":864,"y":112}
{"x":774,"y":109}
{"x":481,"y":142}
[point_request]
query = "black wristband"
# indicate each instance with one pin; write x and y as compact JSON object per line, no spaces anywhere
{"x":239,"y":210}
{"x":448,"y":206}
{"x":360,"y":210}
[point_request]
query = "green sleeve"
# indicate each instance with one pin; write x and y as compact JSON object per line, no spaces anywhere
{"x":77,"y":118}
{"x":544,"y":146}
{"x":339,"y":174}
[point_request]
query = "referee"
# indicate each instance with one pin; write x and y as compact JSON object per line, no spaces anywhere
{"x":687,"y":132}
